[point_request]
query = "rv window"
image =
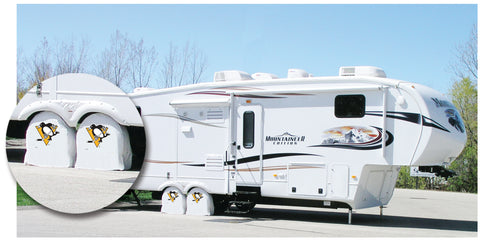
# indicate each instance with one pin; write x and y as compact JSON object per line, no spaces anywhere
{"x":349,"y":106}
{"x":248,"y":129}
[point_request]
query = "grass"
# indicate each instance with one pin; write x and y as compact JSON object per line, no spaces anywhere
{"x":142,"y":195}
{"x":23,"y":199}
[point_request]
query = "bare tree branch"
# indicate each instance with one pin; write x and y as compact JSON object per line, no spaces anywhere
{"x":198,"y":64}
{"x":466,"y":63}
{"x":169,"y":67}
{"x":113,"y":62}
{"x":143,"y":62}
{"x":187,"y":66}
{"x":70,"y":58}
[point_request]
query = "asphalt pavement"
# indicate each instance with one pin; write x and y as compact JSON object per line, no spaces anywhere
{"x":72,"y":190}
{"x":411,"y":213}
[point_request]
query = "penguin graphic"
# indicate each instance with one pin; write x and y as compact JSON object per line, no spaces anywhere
{"x":97,"y":133}
{"x":46,"y":131}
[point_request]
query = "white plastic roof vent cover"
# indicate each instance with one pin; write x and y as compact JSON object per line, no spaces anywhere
{"x":231,"y":75}
{"x":264,"y":76}
{"x":366,"y":71}
{"x":297,"y":73}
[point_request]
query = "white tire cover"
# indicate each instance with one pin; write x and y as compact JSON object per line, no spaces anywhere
{"x":199,"y":202}
{"x":102,"y":144}
{"x":173,"y":201}
{"x":49,"y":142}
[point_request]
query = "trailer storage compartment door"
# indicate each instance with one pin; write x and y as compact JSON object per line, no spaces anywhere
{"x":338,"y":181}
{"x":307,"y":179}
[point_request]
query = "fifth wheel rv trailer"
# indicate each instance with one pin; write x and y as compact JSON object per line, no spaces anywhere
{"x":335,"y":142}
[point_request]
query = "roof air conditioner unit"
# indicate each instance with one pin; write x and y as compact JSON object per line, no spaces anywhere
{"x":264,"y":76}
{"x":297,"y":73}
{"x":232,"y":75}
{"x":366,"y":71}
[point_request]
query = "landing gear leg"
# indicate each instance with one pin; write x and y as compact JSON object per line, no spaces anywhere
{"x":136,"y":197}
{"x":350,"y":216}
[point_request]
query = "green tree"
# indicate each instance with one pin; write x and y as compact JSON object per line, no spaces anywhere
{"x":404,"y":180}
{"x":464,"y":97}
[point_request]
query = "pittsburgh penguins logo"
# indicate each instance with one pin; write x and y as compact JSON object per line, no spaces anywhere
{"x":172,"y":195}
{"x":46,"y":131}
{"x":197,"y":196}
{"x":97,"y":133}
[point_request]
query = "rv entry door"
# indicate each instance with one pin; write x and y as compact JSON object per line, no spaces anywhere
{"x":249,"y":159}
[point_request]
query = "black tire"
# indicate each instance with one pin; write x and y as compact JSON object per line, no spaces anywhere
{"x":245,"y":206}
{"x":221,"y":205}
{"x":157,"y":195}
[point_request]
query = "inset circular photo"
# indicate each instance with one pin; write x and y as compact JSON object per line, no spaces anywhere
{"x":75,"y":143}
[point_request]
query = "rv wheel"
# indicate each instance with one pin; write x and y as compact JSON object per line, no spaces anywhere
{"x":173,"y":201}
{"x":245,"y":206}
{"x":50,"y":142}
{"x":157,"y":195}
{"x":199,"y":202}
{"x":103,"y":144}
{"x":221,"y":205}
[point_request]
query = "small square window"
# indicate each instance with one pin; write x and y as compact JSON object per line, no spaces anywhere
{"x":350,"y":106}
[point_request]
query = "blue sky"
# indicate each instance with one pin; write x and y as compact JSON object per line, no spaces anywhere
{"x":410,"y":42}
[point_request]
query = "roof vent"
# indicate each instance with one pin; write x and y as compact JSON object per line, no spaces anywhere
{"x":264,"y":76}
{"x":142,"y":89}
{"x":366,"y":71}
{"x":297,"y":73}
{"x":231,"y":75}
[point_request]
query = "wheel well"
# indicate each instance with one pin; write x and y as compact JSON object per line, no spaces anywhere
{"x":136,"y":137}
{"x":88,"y":114}
{"x":18,"y":128}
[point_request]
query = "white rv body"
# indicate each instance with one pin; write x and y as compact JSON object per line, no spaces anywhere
{"x":315,"y":141}
{"x":294,"y":148}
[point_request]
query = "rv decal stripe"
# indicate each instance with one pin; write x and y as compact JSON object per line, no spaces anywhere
{"x":197,"y":165}
{"x":238,"y":88}
{"x":257,"y":158}
{"x":410,"y":117}
{"x":431,"y":123}
{"x":405,"y":116}
{"x":183,"y":118}
{"x":278,"y":168}
{"x":258,"y":96}
{"x":224,"y":93}
{"x":164,"y":162}
{"x":267,"y":156}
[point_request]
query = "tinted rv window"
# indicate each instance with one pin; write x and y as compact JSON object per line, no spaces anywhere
{"x":248,"y":129}
{"x":349,"y":106}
